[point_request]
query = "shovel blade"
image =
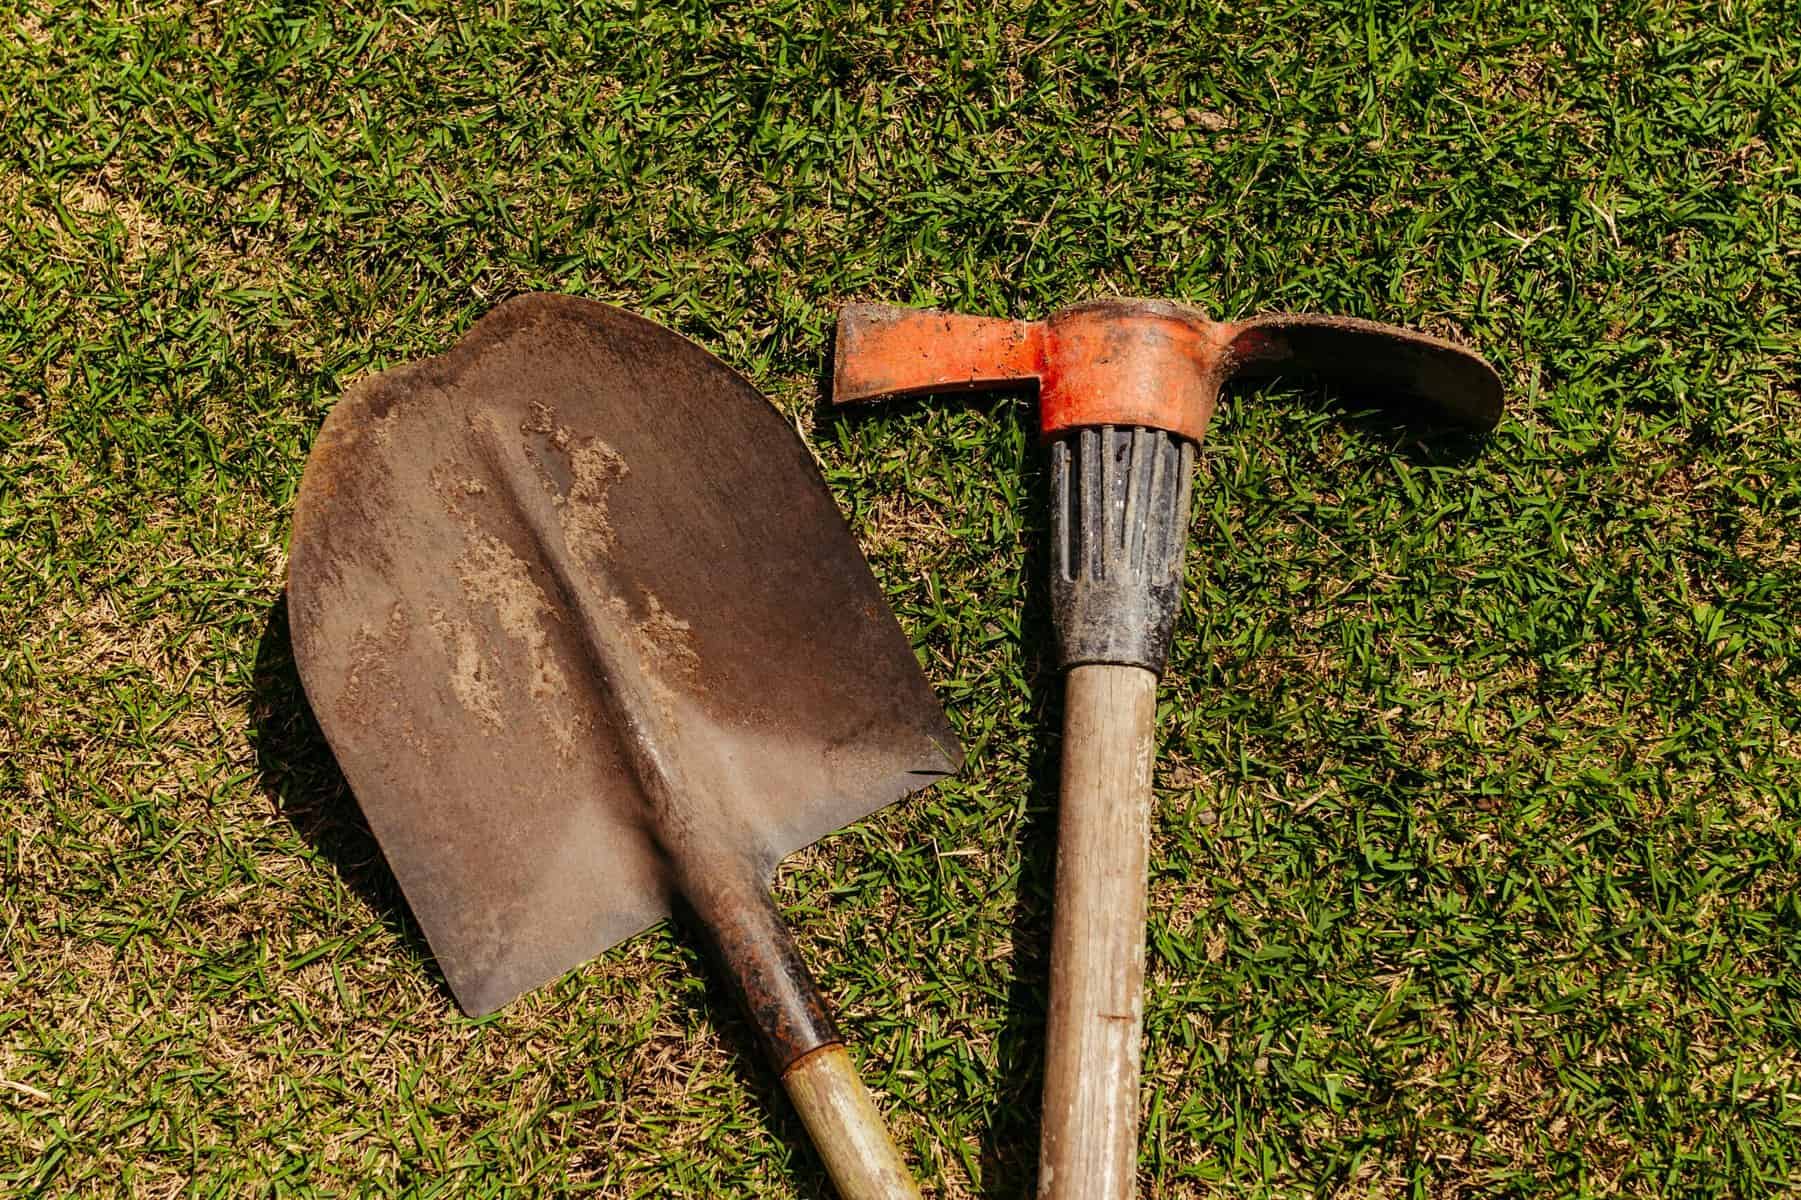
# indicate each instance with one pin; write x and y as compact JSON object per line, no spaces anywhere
{"x":581,"y":622}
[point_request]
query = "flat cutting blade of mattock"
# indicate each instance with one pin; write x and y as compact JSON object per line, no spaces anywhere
{"x":592,"y":643}
{"x":1125,"y":390}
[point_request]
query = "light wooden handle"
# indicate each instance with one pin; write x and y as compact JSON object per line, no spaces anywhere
{"x":845,"y":1127}
{"x":1089,"y":1144}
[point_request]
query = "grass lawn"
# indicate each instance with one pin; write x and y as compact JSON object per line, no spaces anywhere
{"x":1479,"y":805}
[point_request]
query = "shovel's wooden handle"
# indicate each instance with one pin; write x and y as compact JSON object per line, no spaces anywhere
{"x":846,"y":1128}
{"x":1089,"y":1144}
{"x":799,"y":1037}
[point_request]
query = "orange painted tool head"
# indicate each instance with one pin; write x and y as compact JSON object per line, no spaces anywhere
{"x":1148,"y":363}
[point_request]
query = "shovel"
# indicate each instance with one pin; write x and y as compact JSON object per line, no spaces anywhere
{"x":592,"y":645}
{"x":1125,"y":391}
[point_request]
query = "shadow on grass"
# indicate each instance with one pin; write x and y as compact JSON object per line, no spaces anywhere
{"x":1420,"y":442}
{"x":302,"y":780}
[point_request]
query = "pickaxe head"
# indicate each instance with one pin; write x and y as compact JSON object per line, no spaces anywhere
{"x":1125,"y":390}
{"x":1150,"y":364}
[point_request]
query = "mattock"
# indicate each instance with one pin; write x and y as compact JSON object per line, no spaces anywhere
{"x":1125,"y":391}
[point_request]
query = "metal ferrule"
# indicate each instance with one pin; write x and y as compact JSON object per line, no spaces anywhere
{"x":1119,"y":526}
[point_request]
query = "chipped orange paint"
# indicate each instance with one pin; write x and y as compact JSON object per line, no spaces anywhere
{"x":888,"y":351}
{"x":1131,"y":362}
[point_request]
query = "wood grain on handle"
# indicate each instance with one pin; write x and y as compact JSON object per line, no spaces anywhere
{"x":1089,"y":1144}
{"x":846,"y":1129}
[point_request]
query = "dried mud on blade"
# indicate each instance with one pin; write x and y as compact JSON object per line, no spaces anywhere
{"x":589,"y":638}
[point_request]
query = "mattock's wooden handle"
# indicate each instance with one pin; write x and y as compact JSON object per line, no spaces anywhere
{"x":1089,"y":1144}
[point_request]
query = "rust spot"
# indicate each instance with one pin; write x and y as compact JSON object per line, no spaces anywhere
{"x":381,"y":429}
{"x":590,"y":468}
{"x":494,"y":577}
{"x":370,"y":683}
{"x":664,"y":637}
{"x":471,"y":675}
{"x":594,"y":467}
{"x":540,"y":419}
{"x":451,"y":483}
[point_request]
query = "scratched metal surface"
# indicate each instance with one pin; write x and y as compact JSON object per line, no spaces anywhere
{"x":583,"y":626}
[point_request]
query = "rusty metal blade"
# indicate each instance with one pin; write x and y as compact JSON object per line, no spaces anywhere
{"x":580,"y":620}
{"x":1391,"y":362}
